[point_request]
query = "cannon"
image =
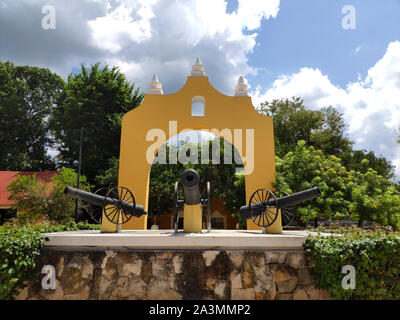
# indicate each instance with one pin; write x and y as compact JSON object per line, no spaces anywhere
{"x":118,"y":204}
{"x":264,"y":206}
{"x":192,"y":203}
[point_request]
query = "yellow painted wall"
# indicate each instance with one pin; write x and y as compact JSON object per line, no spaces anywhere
{"x":221,"y":112}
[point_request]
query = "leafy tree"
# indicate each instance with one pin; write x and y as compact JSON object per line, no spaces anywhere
{"x":304,"y":168}
{"x":331,"y":137}
{"x":162,"y":182}
{"x":108,"y":178}
{"x":354,"y":161}
{"x":27,"y":96}
{"x":375,"y":198}
{"x":323,"y":129}
{"x":236,"y":197}
{"x":96,"y":100}
{"x":36,"y":201}
{"x":363,"y":195}
{"x":293,"y":121}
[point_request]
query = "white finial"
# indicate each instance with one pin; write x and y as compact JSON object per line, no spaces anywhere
{"x":241,"y":88}
{"x":198,"y":69}
{"x":155,"y":86}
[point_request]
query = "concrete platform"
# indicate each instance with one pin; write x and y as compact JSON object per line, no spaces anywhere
{"x":166,"y":239}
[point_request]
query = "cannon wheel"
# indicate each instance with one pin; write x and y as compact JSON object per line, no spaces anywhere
{"x":288,"y":215}
{"x":269,"y":214}
{"x":115,"y":212}
{"x":176,"y":215}
{"x":96,"y":213}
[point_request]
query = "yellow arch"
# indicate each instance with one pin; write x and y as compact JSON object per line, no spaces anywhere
{"x":221,"y":112}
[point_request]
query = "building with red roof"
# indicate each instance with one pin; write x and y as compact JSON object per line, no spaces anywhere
{"x":6,"y":177}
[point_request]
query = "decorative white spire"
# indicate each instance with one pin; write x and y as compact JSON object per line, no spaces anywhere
{"x":198,"y":69}
{"x":241,"y":88}
{"x":155,"y":86}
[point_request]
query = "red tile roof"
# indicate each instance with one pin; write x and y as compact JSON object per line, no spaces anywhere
{"x":7,"y":176}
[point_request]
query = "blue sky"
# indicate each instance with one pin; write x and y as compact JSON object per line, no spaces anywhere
{"x":308,"y":33}
{"x":283,"y":48}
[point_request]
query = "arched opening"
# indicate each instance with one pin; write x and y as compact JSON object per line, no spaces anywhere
{"x":216,"y":160}
{"x":198,"y":106}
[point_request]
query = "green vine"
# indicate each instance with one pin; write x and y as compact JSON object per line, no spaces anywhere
{"x":374,"y":255}
{"x":19,"y":246}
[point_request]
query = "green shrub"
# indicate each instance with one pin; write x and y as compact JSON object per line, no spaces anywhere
{"x":36,"y":201}
{"x":19,"y":246}
{"x":375,"y":199}
{"x":362,"y":196}
{"x":374,"y":255}
{"x":305,"y":168}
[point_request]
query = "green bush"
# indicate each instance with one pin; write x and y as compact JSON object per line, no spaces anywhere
{"x":375,"y":199}
{"x":19,"y":246}
{"x":304,"y":168}
{"x":36,"y":201}
{"x":374,"y":255}
{"x":363,"y":195}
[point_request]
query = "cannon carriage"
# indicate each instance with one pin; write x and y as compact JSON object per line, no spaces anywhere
{"x":118,"y":205}
{"x":264,"y":206}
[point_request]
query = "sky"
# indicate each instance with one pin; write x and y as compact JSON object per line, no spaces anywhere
{"x":340,"y":53}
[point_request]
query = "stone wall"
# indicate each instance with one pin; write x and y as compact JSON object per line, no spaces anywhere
{"x":175,"y":275}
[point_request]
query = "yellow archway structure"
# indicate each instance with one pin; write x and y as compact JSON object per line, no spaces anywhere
{"x":251,"y":134}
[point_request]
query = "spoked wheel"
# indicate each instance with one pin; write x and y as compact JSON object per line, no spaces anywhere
{"x":176,"y":214}
{"x":115,"y":212}
{"x":288,"y":215}
{"x":96,"y":211}
{"x":263,"y":215}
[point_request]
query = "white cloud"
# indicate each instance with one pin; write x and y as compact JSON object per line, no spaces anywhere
{"x":129,"y":23}
{"x":143,"y":37}
{"x":371,"y":106}
{"x":171,"y":34}
{"x":251,"y":12}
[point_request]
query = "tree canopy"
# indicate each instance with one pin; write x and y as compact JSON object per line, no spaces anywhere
{"x":27,"y":98}
{"x":361,"y":195}
{"x":323,"y":129}
{"x":96,"y":100}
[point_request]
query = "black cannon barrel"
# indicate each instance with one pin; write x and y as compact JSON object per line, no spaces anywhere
{"x":190,"y":180}
{"x":284,"y":202}
{"x":95,"y":199}
{"x":298,"y":197}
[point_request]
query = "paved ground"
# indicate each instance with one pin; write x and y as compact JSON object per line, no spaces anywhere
{"x":166,"y":239}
